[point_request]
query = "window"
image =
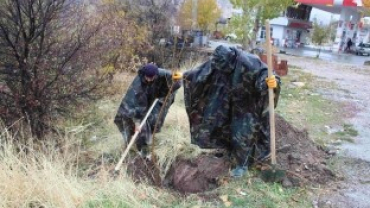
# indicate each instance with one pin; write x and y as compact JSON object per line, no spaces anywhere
{"x":263,"y":32}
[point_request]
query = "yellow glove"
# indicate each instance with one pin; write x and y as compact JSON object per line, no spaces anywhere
{"x":176,"y":76}
{"x":271,"y":82}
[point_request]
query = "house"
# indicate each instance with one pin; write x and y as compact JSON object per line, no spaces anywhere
{"x":291,"y":29}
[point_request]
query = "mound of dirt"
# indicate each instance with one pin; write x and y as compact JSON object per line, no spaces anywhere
{"x":197,"y":175}
{"x":303,"y":161}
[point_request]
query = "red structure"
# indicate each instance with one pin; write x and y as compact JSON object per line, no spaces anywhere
{"x":350,"y":24}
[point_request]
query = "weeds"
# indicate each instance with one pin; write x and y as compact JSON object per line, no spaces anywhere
{"x":56,"y":178}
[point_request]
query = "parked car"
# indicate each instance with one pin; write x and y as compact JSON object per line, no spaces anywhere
{"x":363,"y":49}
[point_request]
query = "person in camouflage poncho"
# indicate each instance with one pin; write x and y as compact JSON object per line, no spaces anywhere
{"x":226,"y":99}
{"x":150,"y":83}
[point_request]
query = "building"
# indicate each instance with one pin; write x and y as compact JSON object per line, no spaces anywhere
{"x":351,"y":24}
{"x":291,"y":29}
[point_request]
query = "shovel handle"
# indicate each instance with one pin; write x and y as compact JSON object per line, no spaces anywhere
{"x":271,"y":95}
{"x":133,"y":138}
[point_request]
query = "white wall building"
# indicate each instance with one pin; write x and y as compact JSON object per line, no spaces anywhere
{"x":291,"y":29}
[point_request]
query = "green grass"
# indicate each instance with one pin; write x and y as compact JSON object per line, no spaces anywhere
{"x":254,"y":193}
{"x":347,"y":133}
{"x":307,"y":109}
{"x":107,"y":203}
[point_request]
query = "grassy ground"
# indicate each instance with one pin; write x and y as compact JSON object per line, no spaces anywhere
{"x":306,"y":108}
{"x":49,"y":178}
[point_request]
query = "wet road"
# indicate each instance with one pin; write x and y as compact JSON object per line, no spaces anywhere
{"x":329,"y":56}
{"x":308,"y":52}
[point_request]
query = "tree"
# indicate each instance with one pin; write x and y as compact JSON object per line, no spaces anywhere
{"x":125,"y":40}
{"x":255,"y":12}
{"x":208,"y":13}
{"x":320,"y":34}
{"x":46,"y":61}
{"x":157,"y":17}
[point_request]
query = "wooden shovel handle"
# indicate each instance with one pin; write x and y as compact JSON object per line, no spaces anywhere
{"x":133,"y":138}
{"x":271,"y":95}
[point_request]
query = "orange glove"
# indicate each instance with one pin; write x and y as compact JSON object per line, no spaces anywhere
{"x":176,"y":75}
{"x":271,"y":82}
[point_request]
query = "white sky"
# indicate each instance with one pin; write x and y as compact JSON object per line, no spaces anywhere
{"x":322,"y":16}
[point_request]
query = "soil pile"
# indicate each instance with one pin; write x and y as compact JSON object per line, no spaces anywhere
{"x":303,"y":160}
{"x":296,"y":153}
{"x":197,"y":175}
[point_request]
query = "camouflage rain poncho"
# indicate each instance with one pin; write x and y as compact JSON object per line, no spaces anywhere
{"x":226,"y":99}
{"x":138,"y":100}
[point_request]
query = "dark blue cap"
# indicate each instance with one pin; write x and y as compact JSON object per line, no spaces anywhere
{"x":150,"y":70}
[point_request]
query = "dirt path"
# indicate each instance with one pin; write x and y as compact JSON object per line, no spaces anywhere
{"x":353,"y":81}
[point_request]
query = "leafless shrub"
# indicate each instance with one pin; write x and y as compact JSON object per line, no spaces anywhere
{"x":47,"y":61}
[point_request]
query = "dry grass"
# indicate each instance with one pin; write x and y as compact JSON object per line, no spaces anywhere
{"x":46,"y":177}
{"x":49,"y":178}
{"x":37,"y":178}
{"x":174,"y":139}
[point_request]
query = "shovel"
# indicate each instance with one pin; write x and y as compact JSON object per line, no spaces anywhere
{"x":133,"y":138}
{"x":272,"y":174}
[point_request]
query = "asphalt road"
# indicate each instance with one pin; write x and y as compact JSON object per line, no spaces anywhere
{"x":329,"y":56}
{"x":308,"y":52}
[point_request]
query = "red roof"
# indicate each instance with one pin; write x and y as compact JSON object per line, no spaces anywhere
{"x":300,"y":25}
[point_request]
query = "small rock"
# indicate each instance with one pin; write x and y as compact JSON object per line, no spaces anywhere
{"x":294,"y":156}
{"x":285,"y":148}
{"x":294,"y":180}
{"x":298,"y":84}
{"x":329,"y":172}
{"x":328,"y":130}
{"x":315,"y":204}
{"x":297,"y":170}
{"x":287,"y":183}
{"x":340,"y":187}
{"x":332,"y":152}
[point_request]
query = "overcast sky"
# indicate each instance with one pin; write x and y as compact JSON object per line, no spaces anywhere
{"x":322,"y":16}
